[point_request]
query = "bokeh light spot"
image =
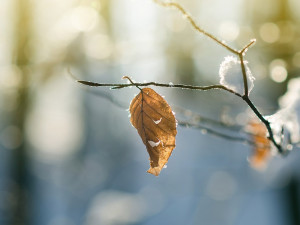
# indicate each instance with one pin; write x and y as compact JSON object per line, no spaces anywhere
{"x":278,"y":71}
{"x":84,"y":18}
{"x":269,"y":32}
{"x":229,"y":30}
{"x":98,"y":46}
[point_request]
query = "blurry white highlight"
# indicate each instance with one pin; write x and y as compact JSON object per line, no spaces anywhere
{"x":269,"y":32}
{"x":98,"y":46}
{"x":278,"y":71}
{"x":55,"y":127}
{"x":279,"y":74}
{"x":84,"y":18}
{"x":116,"y":207}
{"x":229,"y":30}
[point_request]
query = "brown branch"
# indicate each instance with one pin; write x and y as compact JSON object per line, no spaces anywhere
{"x":245,"y":49}
{"x":197,"y":118}
{"x":239,"y":53}
{"x":193,"y":23}
{"x":203,"y":119}
{"x":245,"y":80}
{"x":216,"y":133}
{"x":182,"y":86}
{"x":263,"y":120}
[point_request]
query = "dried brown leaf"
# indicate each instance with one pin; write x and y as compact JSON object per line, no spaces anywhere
{"x":155,"y":122}
{"x":261,"y":153}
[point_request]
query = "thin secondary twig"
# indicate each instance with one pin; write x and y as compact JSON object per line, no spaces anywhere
{"x":193,"y":23}
{"x":245,"y":49}
{"x":239,"y":53}
{"x":216,"y":133}
{"x":109,"y":98}
{"x":195,"y":117}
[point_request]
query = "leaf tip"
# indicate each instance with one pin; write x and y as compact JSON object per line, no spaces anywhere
{"x":154,"y":170}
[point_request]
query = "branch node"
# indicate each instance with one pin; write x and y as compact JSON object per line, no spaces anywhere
{"x":128,"y":78}
{"x":245,"y":49}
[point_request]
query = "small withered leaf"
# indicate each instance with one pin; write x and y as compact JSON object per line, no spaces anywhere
{"x":262,"y":148}
{"x":154,"y":120}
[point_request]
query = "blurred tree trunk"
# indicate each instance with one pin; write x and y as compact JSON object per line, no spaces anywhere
{"x":293,"y":201}
{"x":19,"y":157}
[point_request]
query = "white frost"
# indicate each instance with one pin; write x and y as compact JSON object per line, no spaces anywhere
{"x":157,"y":121}
{"x":282,"y":126}
{"x":231,"y":74}
{"x":153,"y":144}
{"x":290,"y":109}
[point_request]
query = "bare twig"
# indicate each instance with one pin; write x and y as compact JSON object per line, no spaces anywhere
{"x":193,"y":23}
{"x":136,"y":84}
{"x":195,"y":125}
{"x":246,"y":91}
{"x":263,"y":120}
{"x":239,"y":53}
{"x":197,"y":118}
{"x":216,"y":133}
{"x":245,"y":49}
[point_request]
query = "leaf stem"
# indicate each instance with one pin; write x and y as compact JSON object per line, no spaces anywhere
{"x":128,"y":78}
{"x":216,"y":133}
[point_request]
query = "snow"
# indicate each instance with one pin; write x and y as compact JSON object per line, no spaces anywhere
{"x":290,"y":109}
{"x":157,"y":121}
{"x":231,"y":76}
{"x":153,"y":144}
{"x":282,"y":125}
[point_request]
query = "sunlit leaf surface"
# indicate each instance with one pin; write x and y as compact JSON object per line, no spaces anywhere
{"x":154,"y":120}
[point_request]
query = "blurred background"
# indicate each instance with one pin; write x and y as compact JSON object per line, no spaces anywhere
{"x":68,"y":153}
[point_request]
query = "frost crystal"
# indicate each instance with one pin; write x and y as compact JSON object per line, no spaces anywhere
{"x":157,"y":121}
{"x":231,"y":74}
{"x":282,"y":127}
{"x":290,"y":105}
{"x":153,"y":144}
